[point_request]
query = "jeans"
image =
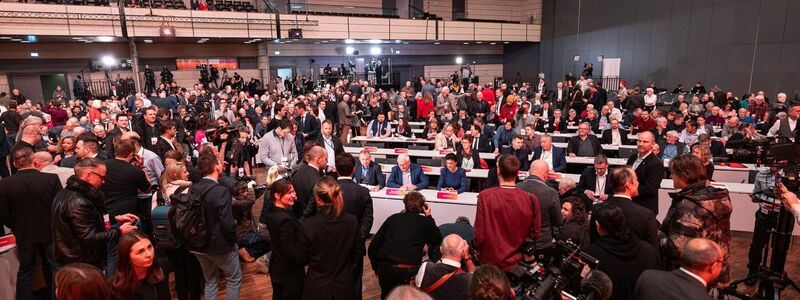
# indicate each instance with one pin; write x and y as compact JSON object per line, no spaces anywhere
{"x":27,"y":255}
{"x":111,"y":258}
{"x":229,"y":263}
{"x":764,"y":223}
{"x":254,"y":244}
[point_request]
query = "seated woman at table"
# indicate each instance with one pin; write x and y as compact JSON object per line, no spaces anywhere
{"x":452,"y":178}
{"x":467,"y":157}
{"x":403,"y":129}
{"x":431,"y":130}
{"x":703,"y":152}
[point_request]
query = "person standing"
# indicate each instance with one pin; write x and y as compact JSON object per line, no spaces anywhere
{"x":304,"y":180}
{"x":506,"y":216}
{"x":346,"y":117}
{"x":220,"y":252}
{"x":638,"y":220}
{"x":81,"y":225}
{"x":650,"y":169}
{"x":357,"y":202}
{"x":701,"y":263}
{"x":549,"y":205}
{"x":327,"y":243}
{"x":285,"y":273}
{"x":25,"y":201}
{"x":766,"y":217}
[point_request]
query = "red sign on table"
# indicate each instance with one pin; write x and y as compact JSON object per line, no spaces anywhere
{"x":447,"y":195}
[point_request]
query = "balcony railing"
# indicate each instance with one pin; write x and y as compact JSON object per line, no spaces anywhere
{"x":342,"y":10}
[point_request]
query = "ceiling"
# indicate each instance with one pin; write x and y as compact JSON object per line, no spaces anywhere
{"x":91,"y":39}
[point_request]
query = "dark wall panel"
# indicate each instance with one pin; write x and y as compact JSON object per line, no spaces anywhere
{"x":719,"y":42}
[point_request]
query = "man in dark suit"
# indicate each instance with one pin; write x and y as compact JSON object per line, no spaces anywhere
{"x":357,"y":202}
{"x":369,"y":172}
{"x":583,"y":144}
{"x":87,"y":146}
{"x":702,"y":263}
{"x":333,"y":146}
{"x":639,"y":220}
{"x":305,"y":178}
{"x":26,"y":199}
{"x":407,"y":175}
{"x":614,"y":135}
{"x":122,"y":127}
{"x":549,"y":206}
{"x":166,"y":141}
{"x":554,"y":156}
{"x":716,"y":147}
{"x":556,"y":123}
{"x":595,"y":182}
{"x":518,"y":150}
{"x":650,"y":169}
{"x":480,"y":142}
{"x":306,"y":123}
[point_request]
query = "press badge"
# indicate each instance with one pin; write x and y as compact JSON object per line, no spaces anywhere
{"x":107,"y":222}
{"x":153,"y":141}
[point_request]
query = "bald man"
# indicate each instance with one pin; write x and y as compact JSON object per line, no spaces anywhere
{"x":406,"y":175}
{"x":454,"y":250}
{"x":701,"y":263}
{"x":549,"y":204}
{"x":43,"y":162}
{"x":649,"y":169}
{"x":304,"y":179}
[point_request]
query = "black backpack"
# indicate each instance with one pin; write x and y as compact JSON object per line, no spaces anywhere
{"x":189,"y":219}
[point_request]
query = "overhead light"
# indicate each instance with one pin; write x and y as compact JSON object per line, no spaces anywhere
{"x":26,"y":42}
{"x":276,"y":41}
{"x":31,"y":38}
{"x":375,"y":50}
{"x":492,"y":43}
{"x":77,"y":38}
{"x":34,"y":54}
{"x":277,"y":53}
{"x":436,"y":43}
{"x":349,"y":41}
{"x":466,"y":43}
{"x":505,"y":42}
{"x":104,"y":38}
{"x":108,"y":60}
{"x":166,"y":30}
{"x":375,"y":41}
{"x":5,"y":37}
{"x":256,"y":40}
{"x":349,"y":50}
{"x":397,"y":52}
{"x":15,"y":40}
{"x":459,"y":60}
{"x":324,"y":41}
{"x":88,"y":42}
{"x":478,"y":42}
{"x":397,"y":41}
{"x":148,"y":41}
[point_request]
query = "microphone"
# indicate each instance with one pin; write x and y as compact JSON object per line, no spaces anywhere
{"x":596,"y":286}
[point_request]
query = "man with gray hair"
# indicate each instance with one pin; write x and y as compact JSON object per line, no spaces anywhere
{"x":406,"y":175}
{"x":671,"y":147}
{"x":446,"y":279}
{"x":43,"y":161}
{"x":549,"y":206}
{"x":701,"y":263}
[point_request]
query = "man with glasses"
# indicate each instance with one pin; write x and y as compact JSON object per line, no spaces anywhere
{"x":81,"y":229}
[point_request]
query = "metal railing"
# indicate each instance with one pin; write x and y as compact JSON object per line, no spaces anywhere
{"x":342,"y":10}
{"x":99,"y":89}
{"x":608,"y":82}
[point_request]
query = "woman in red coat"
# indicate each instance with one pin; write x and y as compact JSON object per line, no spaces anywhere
{"x":424,"y":105}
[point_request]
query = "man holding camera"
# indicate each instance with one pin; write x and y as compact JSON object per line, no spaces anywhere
{"x":766,"y":216}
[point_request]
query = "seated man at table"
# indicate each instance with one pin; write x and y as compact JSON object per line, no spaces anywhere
{"x":554,"y":156}
{"x":368,"y":172}
{"x":643,"y":123}
{"x":557,"y":123}
{"x":480,"y":142}
{"x":531,"y":138}
{"x":614,"y":135}
{"x":503,"y":136}
{"x":595,"y":182}
{"x":583,"y":144}
{"x":670,"y":147}
{"x":379,"y":127}
{"x":519,"y":151}
{"x":452,"y":178}
{"x":717,"y":148}
{"x":446,"y":139}
{"x":406,"y":175}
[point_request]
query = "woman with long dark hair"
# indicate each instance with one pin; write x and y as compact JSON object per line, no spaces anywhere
{"x":284,"y":271}
{"x":327,"y":244}
{"x":576,"y":222}
{"x":80,"y":281}
{"x":138,"y":275}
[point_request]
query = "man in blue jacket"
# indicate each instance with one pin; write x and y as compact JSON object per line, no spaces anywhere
{"x":554,"y":156}
{"x":221,"y":251}
{"x":407,"y":175}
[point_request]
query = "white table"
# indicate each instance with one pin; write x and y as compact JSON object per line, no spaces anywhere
{"x":442,"y":210}
{"x":9,"y":265}
{"x":391,"y":140}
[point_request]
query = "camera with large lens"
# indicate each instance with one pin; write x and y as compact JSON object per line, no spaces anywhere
{"x":259,"y":189}
{"x":563,"y":275}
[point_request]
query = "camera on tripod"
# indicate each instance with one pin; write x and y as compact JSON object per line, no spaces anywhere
{"x":537,"y":281}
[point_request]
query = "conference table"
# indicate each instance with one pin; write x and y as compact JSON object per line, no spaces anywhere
{"x":9,"y":265}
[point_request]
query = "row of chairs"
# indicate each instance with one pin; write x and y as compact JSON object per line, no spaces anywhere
{"x":170,"y":4}
{"x":76,"y":2}
{"x":240,"y":6}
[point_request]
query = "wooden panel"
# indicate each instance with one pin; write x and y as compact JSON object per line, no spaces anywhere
{"x":506,"y":10}
{"x":442,"y":8}
{"x":484,"y":71}
{"x":4,"y":84}
{"x":355,"y":3}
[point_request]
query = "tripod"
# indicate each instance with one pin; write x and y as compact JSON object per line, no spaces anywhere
{"x":773,"y":279}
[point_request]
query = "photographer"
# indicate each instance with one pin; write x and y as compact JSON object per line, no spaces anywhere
{"x":766,"y":216}
{"x":253,"y":241}
{"x":445,"y":279}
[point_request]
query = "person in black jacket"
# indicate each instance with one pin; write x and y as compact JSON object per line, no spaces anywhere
{"x":456,"y":258}
{"x":25,"y":201}
{"x":305,"y":178}
{"x":583,"y":144}
{"x":368,"y":172}
{"x":136,"y":255}
{"x":576,"y":222}
{"x":333,"y":146}
{"x":397,"y":248}
{"x":220,"y":251}
{"x":622,"y":256}
{"x":357,"y":202}
{"x":328,"y":244}
{"x":480,"y":142}
{"x":81,"y":227}
{"x":650,"y":169}
{"x":595,"y":182}
{"x":285,"y":273}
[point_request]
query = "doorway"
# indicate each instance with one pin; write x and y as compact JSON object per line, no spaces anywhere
{"x":39,"y":88}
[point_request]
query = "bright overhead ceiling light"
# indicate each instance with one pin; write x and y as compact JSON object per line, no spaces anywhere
{"x":349,"y":50}
{"x":459,"y":60}
{"x":505,"y":42}
{"x":492,"y":43}
{"x":349,"y":41}
{"x":77,"y":38}
{"x":148,"y":41}
{"x":34,"y":54}
{"x":5,"y":37}
{"x":466,"y":43}
{"x":373,"y":41}
{"x":478,"y":42}
{"x":108,"y":60}
{"x":397,"y":52}
{"x":104,"y":38}
{"x":375,"y":50}
{"x":397,"y":41}
{"x":324,"y":41}
{"x":436,"y":43}
{"x":26,"y":42}
{"x":277,"y":53}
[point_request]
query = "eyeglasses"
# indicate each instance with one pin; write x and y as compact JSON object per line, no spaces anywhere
{"x":102,"y":177}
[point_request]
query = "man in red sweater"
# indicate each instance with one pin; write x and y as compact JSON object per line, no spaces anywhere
{"x":488,"y":94}
{"x":642,"y":123}
{"x":506,"y":216}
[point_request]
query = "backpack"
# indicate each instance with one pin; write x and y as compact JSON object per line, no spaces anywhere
{"x":188,"y":218}
{"x":163,"y":228}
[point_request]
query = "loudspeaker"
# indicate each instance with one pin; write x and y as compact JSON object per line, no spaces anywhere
{"x":296,"y":33}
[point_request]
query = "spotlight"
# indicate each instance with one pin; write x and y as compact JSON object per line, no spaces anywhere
{"x":148,"y":41}
{"x":277,"y":53}
{"x":459,"y":60}
{"x":349,"y":50}
{"x":166,"y":30}
{"x":31,"y":38}
{"x":375,"y":50}
{"x":108,"y":60}
{"x":104,"y":39}
{"x":34,"y":54}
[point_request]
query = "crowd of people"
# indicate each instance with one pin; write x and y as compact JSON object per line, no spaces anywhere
{"x":83,"y":182}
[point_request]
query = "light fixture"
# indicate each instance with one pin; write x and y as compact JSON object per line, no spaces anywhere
{"x":104,"y":39}
{"x":375,"y":41}
{"x":31,"y":38}
{"x":375,"y":50}
{"x":5,"y":37}
{"x":277,"y":53}
{"x":276,"y":41}
{"x":466,"y":43}
{"x":25,"y":42}
{"x":459,"y":60}
{"x":15,"y":40}
{"x":397,"y":41}
{"x":166,"y":30}
{"x":436,"y":43}
{"x":108,"y":60}
{"x":492,"y":43}
{"x":505,"y":42}
{"x":34,"y":54}
{"x":77,"y":38}
{"x":148,"y":41}
{"x":349,"y":41}
{"x":325,"y":41}
{"x":349,"y":50}
{"x":397,"y":52}
{"x":478,"y":42}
